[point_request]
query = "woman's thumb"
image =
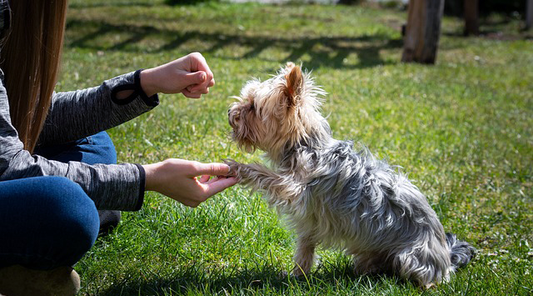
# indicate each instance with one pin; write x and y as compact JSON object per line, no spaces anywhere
{"x":197,"y":77}
{"x":212,"y":169}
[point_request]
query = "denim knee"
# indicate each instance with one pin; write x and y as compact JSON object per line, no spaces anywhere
{"x":49,"y":222}
{"x":76,"y":214}
{"x":98,"y":148}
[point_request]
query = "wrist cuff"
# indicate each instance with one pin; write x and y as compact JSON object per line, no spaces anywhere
{"x":137,"y":91}
{"x":142,"y":180}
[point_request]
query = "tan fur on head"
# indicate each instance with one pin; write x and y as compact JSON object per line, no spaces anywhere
{"x":268,"y":115}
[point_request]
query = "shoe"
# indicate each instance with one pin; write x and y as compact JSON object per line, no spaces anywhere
{"x":108,"y":221}
{"x":17,"y":280}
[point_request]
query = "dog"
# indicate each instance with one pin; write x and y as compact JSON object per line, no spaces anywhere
{"x":333,"y":195}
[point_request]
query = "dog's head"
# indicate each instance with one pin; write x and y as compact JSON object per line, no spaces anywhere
{"x":277,"y":113}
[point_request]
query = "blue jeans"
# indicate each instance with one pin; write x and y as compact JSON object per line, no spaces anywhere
{"x":47,"y":222}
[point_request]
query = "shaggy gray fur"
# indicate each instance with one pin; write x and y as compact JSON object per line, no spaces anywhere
{"x":334,"y":195}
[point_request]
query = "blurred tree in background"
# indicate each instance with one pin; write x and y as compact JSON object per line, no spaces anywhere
{"x":486,"y":7}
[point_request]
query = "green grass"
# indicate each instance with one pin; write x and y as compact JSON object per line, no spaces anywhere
{"x":462,"y":129}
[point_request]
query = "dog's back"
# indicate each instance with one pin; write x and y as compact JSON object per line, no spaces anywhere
{"x":366,"y":207}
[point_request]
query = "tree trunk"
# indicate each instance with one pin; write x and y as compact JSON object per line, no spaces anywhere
{"x":529,"y":14}
{"x":422,"y":33}
{"x":471,"y":17}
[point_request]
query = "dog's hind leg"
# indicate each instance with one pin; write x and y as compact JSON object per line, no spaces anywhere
{"x":426,"y":264}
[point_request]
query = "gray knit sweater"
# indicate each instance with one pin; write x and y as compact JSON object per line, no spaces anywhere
{"x":72,"y":116}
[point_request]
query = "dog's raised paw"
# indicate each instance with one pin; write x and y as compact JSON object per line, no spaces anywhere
{"x":233,"y":167}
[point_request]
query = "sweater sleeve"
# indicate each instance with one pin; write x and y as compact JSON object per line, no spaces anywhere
{"x":116,"y":187}
{"x":77,"y":114}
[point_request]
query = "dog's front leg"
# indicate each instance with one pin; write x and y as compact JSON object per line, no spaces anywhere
{"x":304,"y":256}
{"x":280,"y":189}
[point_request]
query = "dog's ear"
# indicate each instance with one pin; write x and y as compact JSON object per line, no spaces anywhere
{"x":294,"y":86}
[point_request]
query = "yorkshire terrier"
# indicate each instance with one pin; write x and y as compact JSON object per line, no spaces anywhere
{"x":333,"y":195}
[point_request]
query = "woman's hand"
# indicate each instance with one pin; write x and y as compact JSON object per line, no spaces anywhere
{"x":189,"y":75}
{"x":188,"y":182}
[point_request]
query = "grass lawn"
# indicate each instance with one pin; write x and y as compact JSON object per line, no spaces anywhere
{"x":462,"y":129}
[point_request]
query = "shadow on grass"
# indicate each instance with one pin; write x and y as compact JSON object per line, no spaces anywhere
{"x":323,"y":51}
{"x":269,"y":278}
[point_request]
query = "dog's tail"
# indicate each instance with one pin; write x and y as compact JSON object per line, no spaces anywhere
{"x":461,"y":252}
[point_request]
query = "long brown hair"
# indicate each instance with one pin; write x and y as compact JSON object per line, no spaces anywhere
{"x":30,"y":59}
